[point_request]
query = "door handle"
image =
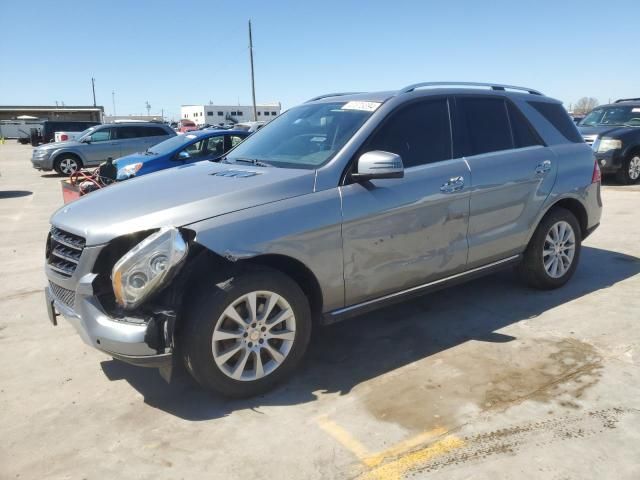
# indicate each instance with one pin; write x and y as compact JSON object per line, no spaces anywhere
{"x":454,"y":184}
{"x":543,"y":167}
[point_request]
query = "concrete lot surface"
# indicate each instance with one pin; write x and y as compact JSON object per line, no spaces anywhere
{"x":485,"y":380}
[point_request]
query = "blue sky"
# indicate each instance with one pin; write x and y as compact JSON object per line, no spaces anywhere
{"x":181,"y":52}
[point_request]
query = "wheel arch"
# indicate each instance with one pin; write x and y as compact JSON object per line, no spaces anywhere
{"x":298,"y":271}
{"x":575,"y":206}
{"x":68,"y":153}
{"x":204,"y":264}
{"x":633,"y":148}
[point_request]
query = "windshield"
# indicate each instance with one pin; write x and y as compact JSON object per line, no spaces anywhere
{"x":86,"y":132}
{"x":304,"y":137}
{"x":172,"y":144}
{"x":623,"y":115}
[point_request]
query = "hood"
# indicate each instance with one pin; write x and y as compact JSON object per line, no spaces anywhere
{"x":177,"y":197}
{"x":54,"y":145}
{"x":603,"y":130}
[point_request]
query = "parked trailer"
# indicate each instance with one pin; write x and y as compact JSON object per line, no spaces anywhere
{"x":20,"y":129}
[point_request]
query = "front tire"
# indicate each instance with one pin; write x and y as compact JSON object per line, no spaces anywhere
{"x":67,"y":165}
{"x":629,"y":173}
{"x":553,"y":253}
{"x":247,"y":333}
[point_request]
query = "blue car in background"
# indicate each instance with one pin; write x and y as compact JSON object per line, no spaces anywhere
{"x":190,"y":147}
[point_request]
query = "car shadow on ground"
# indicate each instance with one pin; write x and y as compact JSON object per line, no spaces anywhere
{"x":14,"y":193}
{"x":51,"y":175}
{"x":349,"y":353}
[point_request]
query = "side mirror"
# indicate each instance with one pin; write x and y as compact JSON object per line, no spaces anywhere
{"x":183,"y":155}
{"x":378,"y":164}
{"x":87,"y":140}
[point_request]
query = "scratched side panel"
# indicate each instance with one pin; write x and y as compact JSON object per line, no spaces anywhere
{"x":400,"y":233}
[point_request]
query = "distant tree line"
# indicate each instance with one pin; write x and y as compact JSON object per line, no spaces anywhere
{"x":585,"y":105}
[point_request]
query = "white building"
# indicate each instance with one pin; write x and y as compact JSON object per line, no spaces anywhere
{"x":132,"y":118}
{"x":216,"y":114}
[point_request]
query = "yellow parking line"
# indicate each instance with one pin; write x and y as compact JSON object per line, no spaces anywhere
{"x":403,"y":454}
{"x":395,"y":469}
{"x":405,"y":446}
{"x":345,"y":438}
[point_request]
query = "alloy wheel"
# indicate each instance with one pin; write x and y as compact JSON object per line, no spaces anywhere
{"x":253,"y":336}
{"x":68,"y":166}
{"x":634,"y":168}
{"x":559,"y":249}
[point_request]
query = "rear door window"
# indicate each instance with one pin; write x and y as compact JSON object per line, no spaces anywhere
{"x":154,"y":131}
{"x":419,"y":132}
{"x":126,"y":133}
{"x":144,"y":132}
{"x":557,"y":116}
{"x":486,"y":124}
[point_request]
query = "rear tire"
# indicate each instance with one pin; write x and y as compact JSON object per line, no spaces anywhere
{"x":629,"y":173}
{"x":553,"y":253}
{"x":67,"y":165}
{"x":259,"y":314}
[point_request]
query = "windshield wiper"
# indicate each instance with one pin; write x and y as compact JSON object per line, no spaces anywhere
{"x":253,"y":161}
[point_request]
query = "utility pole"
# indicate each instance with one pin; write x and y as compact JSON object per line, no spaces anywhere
{"x":253,"y":82}
{"x":93,"y":87}
{"x":113,"y":99}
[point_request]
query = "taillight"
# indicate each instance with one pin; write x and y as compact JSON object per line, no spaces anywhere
{"x":64,"y":137}
{"x":597,"y":174}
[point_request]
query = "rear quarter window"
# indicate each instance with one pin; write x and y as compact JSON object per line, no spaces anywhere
{"x":524,"y":135}
{"x":485,"y":123}
{"x":557,"y":116}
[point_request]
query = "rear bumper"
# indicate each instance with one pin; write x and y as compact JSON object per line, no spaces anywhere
{"x":590,"y":230}
{"x":593,"y":205}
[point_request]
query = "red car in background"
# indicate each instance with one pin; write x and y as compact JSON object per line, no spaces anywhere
{"x":186,"y":126}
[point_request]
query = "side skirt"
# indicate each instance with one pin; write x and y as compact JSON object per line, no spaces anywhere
{"x":376,"y":303}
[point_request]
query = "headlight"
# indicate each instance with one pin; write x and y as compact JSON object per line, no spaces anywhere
{"x":40,"y":153}
{"x":129,"y":170}
{"x":607,"y":144}
{"x":147,"y":266}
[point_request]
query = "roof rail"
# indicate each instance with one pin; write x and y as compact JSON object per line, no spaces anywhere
{"x":620,"y":100}
{"x":327,"y":95}
{"x":493,"y":86}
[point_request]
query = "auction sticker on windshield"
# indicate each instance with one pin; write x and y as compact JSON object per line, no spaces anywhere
{"x":364,"y":106}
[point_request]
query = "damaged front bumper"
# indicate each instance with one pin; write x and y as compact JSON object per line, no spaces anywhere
{"x":138,"y":341}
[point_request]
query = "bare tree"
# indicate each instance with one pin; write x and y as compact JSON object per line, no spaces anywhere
{"x":585,"y":105}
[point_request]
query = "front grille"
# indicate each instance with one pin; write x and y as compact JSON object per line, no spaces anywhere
{"x":62,"y":294}
{"x":589,"y":139}
{"x":64,"y":251}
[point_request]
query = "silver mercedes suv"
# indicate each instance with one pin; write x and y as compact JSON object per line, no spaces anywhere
{"x":343,"y":204}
